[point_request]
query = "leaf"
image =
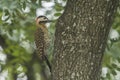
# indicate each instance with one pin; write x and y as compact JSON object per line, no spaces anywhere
{"x":109,"y":66}
{"x":118,"y":69}
{"x":58,"y":7}
{"x":24,"y":5}
{"x":7,"y":18}
{"x":113,"y":72}
{"x":6,"y":12}
{"x":118,"y":60}
{"x":114,"y":65}
{"x":57,"y":14}
{"x":108,"y":75}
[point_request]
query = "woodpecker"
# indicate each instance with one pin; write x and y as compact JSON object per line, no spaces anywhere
{"x":42,"y":38}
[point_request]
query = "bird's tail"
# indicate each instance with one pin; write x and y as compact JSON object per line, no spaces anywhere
{"x":47,"y":62}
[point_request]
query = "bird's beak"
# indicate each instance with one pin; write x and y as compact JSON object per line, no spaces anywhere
{"x":49,"y":21}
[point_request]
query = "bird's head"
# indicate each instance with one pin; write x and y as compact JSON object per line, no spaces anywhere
{"x":42,"y":20}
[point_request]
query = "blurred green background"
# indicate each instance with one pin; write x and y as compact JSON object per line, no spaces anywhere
{"x":17,"y":48}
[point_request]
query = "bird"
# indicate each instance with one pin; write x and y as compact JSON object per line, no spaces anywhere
{"x":42,"y":38}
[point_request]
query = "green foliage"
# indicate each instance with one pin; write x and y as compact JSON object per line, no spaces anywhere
{"x":112,"y":53}
{"x":17,"y":26}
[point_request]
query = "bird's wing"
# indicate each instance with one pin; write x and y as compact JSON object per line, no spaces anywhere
{"x":40,"y":43}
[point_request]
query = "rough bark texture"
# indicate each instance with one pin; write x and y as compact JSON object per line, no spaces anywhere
{"x":80,"y":39}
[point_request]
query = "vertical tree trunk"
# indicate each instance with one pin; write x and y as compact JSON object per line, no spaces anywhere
{"x":80,"y":39}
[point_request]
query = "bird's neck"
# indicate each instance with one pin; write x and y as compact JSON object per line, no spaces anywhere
{"x":43,"y":27}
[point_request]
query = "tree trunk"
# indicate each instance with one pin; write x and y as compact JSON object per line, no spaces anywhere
{"x":80,"y":39}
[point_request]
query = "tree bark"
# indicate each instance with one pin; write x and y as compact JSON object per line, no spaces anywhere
{"x":80,"y":39}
